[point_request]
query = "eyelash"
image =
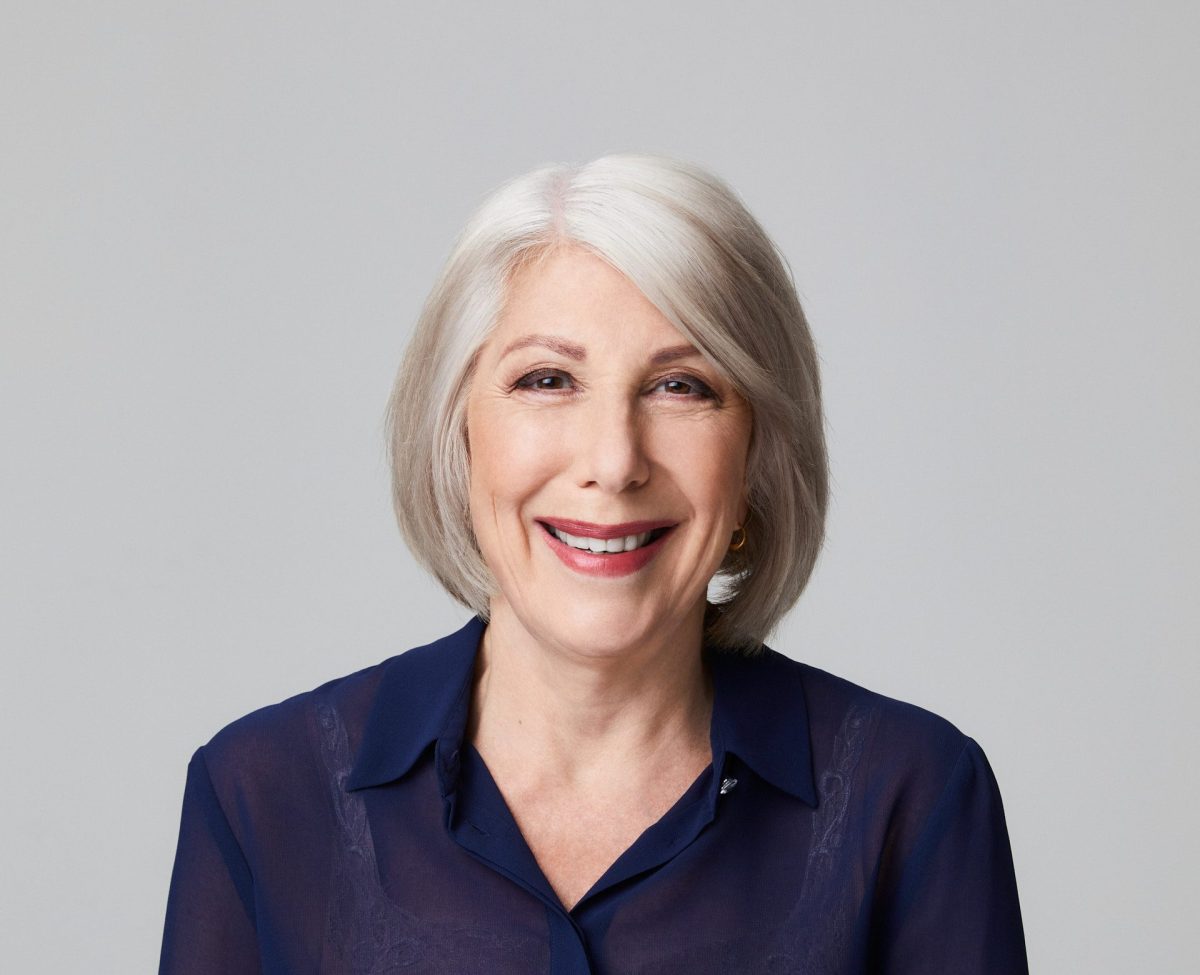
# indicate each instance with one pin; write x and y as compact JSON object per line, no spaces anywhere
{"x":700,"y":389}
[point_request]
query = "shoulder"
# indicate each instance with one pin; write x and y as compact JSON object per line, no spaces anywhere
{"x":903,"y":748}
{"x":831,"y":698}
{"x":897,"y":770}
{"x":387,"y":712}
{"x":280,"y":742}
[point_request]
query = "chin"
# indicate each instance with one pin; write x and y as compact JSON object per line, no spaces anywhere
{"x":590,"y":643}
{"x":599,"y":628}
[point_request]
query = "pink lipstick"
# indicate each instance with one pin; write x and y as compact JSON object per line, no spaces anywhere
{"x":608,"y":564}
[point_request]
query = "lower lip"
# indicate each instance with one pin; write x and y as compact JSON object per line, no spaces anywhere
{"x":608,"y":566}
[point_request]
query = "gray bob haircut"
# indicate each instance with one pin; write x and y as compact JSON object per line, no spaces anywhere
{"x":685,"y":239}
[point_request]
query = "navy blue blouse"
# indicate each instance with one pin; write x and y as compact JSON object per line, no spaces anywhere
{"x":351,"y":829}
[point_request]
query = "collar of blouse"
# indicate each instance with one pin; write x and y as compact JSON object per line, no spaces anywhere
{"x":759,"y":713}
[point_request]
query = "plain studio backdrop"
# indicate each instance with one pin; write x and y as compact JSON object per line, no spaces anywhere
{"x":219,"y":222}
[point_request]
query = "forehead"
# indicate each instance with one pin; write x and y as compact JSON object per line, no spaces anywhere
{"x":572,"y":292}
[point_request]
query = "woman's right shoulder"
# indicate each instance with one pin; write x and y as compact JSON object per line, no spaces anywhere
{"x":278,"y":740}
{"x":321,"y":729}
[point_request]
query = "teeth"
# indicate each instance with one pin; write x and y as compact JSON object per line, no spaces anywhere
{"x":626,"y":544}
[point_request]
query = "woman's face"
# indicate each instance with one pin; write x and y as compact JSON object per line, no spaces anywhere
{"x":588,"y":406}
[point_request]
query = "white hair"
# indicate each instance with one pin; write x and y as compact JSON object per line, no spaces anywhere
{"x":685,"y":239}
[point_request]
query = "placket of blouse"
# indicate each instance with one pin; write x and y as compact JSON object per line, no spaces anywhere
{"x":480,"y":822}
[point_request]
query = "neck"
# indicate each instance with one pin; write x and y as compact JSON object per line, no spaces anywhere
{"x":574,"y":715}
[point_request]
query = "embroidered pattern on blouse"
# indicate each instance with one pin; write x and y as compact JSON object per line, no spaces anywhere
{"x":367,"y":930}
{"x":370,"y":933}
{"x":826,"y":902}
{"x":829,"y":821}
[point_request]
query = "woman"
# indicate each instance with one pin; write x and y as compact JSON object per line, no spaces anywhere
{"x":610,"y":401}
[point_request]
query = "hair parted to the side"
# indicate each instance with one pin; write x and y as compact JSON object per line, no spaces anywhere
{"x":684,"y":238}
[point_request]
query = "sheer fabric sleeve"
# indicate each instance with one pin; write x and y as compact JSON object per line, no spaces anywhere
{"x":210,"y":907}
{"x":953,"y":906}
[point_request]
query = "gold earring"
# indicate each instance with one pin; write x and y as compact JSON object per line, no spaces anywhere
{"x":736,"y":546}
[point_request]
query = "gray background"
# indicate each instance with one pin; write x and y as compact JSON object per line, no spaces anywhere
{"x":219,"y":221}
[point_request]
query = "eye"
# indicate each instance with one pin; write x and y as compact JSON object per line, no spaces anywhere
{"x":686,"y":386}
{"x":551,"y":380}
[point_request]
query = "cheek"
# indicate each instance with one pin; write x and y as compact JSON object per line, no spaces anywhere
{"x":711,"y":467}
{"x":511,"y":456}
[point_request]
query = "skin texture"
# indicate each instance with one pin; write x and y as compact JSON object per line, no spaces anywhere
{"x":591,"y":706}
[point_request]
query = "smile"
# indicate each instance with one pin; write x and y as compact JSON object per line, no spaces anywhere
{"x":603,"y":546}
{"x":607,"y":551}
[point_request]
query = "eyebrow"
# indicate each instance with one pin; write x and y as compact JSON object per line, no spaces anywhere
{"x":552,"y":342}
{"x":579,"y":353}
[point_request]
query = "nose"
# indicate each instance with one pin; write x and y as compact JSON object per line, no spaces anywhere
{"x":610,"y":446}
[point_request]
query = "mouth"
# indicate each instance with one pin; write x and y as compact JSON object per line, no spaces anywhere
{"x":607,"y":551}
{"x":606,"y":541}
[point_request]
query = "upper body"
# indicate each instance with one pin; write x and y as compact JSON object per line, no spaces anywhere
{"x":352,"y":829}
{"x":610,"y":407}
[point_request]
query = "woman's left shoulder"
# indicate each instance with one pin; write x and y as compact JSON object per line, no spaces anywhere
{"x":851,"y":725}
{"x":907,"y":817}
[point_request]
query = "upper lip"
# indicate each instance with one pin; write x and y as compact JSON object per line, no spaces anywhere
{"x":587,"y":529}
